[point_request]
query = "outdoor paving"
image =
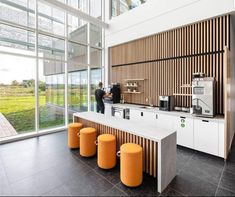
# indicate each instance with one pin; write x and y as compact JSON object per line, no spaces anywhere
{"x":6,"y":129}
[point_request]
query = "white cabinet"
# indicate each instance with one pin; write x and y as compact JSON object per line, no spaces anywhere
{"x":206,"y":136}
{"x":184,"y":127}
{"x":221,"y":139}
{"x":165,"y":121}
{"x":136,"y":115}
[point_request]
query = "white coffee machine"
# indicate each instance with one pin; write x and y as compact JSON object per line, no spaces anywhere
{"x":203,"y":98}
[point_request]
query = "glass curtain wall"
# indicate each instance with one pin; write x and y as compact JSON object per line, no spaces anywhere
{"x":47,"y":64}
{"x":122,"y":6}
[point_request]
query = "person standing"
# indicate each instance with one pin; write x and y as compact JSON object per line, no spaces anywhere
{"x":99,"y":95}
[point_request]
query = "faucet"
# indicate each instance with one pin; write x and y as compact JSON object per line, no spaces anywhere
{"x":149,"y":101}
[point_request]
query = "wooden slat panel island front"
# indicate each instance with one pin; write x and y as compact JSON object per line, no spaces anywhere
{"x":159,"y":145}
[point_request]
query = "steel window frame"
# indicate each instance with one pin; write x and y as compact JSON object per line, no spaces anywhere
{"x":37,"y":58}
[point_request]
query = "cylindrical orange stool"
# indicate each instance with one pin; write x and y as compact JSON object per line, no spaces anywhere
{"x":106,"y":151}
{"x":131,"y":164}
{"x":73,"y":131}
{"x":88,"y":142}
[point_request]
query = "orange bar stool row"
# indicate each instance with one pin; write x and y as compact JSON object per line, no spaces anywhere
{"x":130,"y":154}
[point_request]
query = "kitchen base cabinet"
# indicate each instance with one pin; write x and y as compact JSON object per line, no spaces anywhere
{"x":221,"y":139}
{"x":206,"y":136}
{"x":184,"y":128}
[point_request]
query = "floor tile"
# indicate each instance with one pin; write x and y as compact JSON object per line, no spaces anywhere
{"x":228,"y":180}
{"x":183,"y":156}
{"x":171,"y":192}
{"x":90,"y":184}
{"x":68,"y":172}
{"x":209,"y":159}
{"x":37,"y":184}
{"x":192,"y":186}
{"x":59,"y":191}
{"x":203,"y":170}
{"x":91,"y":161}
{"x":147,"y":188}
{"x":114,"y":191}
{"x":112,"y":175}
{"x":224,"y":192}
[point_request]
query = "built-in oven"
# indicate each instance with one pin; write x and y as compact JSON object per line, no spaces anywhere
{"x":120,"y":112}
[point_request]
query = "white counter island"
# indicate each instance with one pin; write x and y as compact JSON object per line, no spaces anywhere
{"x":159,"y":145}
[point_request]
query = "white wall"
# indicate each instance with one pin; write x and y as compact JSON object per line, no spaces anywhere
{"x":157,"y":16}
{"x":160,"y":15}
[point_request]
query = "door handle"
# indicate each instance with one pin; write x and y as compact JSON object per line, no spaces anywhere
{"x":205,"y":120}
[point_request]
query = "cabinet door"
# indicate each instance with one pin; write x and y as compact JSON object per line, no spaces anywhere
{"x":184,"y":128}
{"x":221,"y":139}
{"x":206,"y":136}
{"x":150,"y":118}
{"x":136,"y":115}
{"x":165,"y":121}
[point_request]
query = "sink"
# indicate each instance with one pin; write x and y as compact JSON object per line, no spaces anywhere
{"x":147,"y":107}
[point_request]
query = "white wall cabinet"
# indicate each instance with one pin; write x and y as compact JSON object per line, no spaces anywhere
{"x":184,"y":127}
{"x":206,"y":136}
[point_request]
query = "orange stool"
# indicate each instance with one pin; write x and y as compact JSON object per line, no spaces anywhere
{"x":106,"y":151}
{"x":87,"y":142}
{"x":131,"y":164}
{"x":73,"y":131}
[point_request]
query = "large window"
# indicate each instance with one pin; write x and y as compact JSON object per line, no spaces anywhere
{"x":121,"y":6}
{"x":38,"y":56}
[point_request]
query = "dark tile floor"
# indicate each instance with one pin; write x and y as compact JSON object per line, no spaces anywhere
{"x":44,"y":166}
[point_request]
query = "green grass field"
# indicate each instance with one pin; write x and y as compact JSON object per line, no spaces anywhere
{"x":17,"y":104}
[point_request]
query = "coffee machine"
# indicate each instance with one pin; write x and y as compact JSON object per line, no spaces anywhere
{"x":115,"y":90}
{"x":203,"y":96}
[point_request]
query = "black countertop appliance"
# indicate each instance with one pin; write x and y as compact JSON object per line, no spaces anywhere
{"x":115,"y":90}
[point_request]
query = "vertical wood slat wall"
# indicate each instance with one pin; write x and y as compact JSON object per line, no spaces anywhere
{"x":149,"y":146}
{"x":168,"y":60}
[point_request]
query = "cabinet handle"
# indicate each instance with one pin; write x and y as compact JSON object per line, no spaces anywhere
{"x":142,"y":113}
{"x":205,"y":120}
{"x":182,"y":117}
{"x":156,"y":116}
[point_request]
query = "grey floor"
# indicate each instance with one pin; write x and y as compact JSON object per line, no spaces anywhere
{"x":44,"y":166}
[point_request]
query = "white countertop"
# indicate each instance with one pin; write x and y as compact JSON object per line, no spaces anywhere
{"x":134,"y":127}
{"x":174,"y":113}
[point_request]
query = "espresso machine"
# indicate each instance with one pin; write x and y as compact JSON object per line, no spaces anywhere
{"x":203,"y":96}
{"x":115,"y":90}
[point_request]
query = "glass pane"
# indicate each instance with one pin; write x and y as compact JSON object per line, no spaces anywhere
{"x":77,"y":29}
{"x":16,"y":38}
{"x":51,"y":94}
{"x":51,"y":19}
{"x":77,"y":55}
{"x":120,"y":6}
{"x":96,"y":77}
{"x":20,"y":12}
{"x":50,"y":47}
{"x":81,"y":5}
{"x":95,"y":35}
{"x":95,"y":6}
{"x":77,"y":92}
{"x":17,"y":95}
{"x":96,"y":57}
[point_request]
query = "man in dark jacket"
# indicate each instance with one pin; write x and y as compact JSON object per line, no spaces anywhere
{"x":99,"y":95}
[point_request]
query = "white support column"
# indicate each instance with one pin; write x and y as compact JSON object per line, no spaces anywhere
{"x":66,"y":69}
{"x":37,"y":70}
{"x":105,"y":81}
{"x":88,"y":62}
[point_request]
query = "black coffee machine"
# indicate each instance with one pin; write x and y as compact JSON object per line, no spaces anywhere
{"x":115,"y":90}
